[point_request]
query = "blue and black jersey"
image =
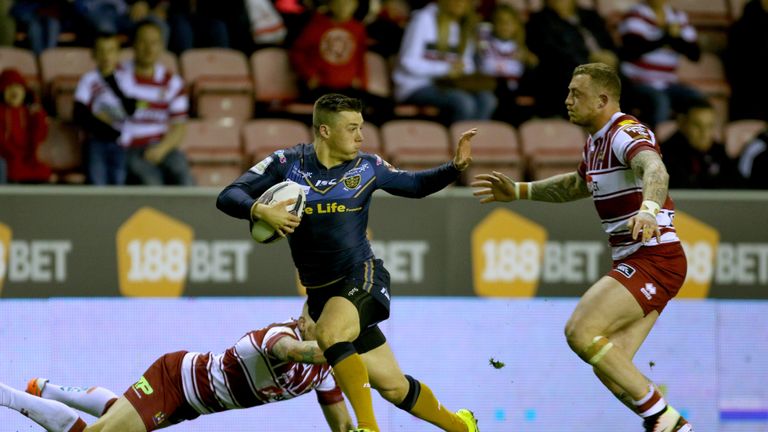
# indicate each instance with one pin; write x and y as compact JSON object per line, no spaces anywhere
{"x":331,"y":237}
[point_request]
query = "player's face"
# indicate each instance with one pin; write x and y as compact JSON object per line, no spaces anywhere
{"x":583,"y":101}
{"x":346,"y":134}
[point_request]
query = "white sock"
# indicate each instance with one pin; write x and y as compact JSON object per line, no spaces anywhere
{"x":651,"y":404}
{"x":91,"y":400}
{"x":52,"y":415}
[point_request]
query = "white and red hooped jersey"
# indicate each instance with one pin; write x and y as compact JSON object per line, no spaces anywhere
{"x":160,"y":101}
{"x":616,"y":191}
{"x":657,"y":67}
{"x":248,"y":374}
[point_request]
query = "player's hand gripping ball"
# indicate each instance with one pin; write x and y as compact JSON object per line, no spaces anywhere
{"x":263,"y":232}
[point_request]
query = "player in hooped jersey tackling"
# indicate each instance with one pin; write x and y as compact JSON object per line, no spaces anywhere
{"x":278,"y":362}
{"x":623,"y":173}
{"x":347,"y":287}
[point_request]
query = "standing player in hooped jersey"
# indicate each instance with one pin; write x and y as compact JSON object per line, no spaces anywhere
{"x":275,"y":363}
{"x":623,"y":172}
{"x":347,"y":287}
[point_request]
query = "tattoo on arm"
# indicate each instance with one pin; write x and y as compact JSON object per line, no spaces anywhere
{"x":648,"y":166}
{"x":288,"y":349}
{"x":560,"y":188}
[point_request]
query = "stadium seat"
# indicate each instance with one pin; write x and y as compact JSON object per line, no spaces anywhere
{"x":61,"y":69}
{"x":552,"y":146}
{"x":62,"y":151}
{"x":371,"y":139}
{"x":167,"y":59}
{"x":707,"y":75}
{"x":220,"y":82}
{"x":739,"y":133}
{"x":261,"y":137}
{"x":705,"y":13}
{"x":415,"y":144}
{"x":495,"y":148}
{"x":737,"y":8}
{"x":25,"y":62}
{"x":275,"y":82}
{"x":214,"y":151}
{"x":379,"y":82}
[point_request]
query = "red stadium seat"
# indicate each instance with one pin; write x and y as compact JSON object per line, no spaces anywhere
{"x":275,"y":82}
{"x":707,"y":75}
{"x":415,"y":144}
{"x":220,"y":81}
{"x":552,"y":146}
{"x":214,"y":151}
{"x":261,"y":137}
{"x":371,"y":139}
{"x":61,"y":69}
{"x":62,"y":151}
{"x":25,"y":62}
{"x":379,"y":82}
{"x":494,"y":148}
{"x":739,"y":133}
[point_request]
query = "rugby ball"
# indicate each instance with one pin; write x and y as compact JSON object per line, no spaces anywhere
{"x":261,"y":231}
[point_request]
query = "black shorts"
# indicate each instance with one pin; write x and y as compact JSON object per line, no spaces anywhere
{"x":367,"y":287}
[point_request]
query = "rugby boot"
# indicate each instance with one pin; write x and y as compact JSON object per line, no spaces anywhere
{"x":35,"y":386}
{"x":469,"y":418}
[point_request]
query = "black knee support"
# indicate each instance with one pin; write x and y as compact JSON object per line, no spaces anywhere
{"x":414,"y":388}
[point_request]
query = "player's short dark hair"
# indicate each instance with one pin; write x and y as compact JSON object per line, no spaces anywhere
{"x":697,"y":103}
{"x":332,"y":103}
{"x":603,"y":76}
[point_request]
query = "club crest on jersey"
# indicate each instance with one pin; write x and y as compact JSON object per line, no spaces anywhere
{"x":281,"y":156}
{"x":352,"y":182}
{"x":625,"y":269}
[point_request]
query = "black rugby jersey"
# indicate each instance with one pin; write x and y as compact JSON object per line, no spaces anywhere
{"x":330,"y":239}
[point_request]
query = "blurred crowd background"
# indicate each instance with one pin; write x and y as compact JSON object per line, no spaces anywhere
{"x":174,"y":92}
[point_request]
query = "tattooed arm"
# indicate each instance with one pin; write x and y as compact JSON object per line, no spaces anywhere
{"x":560,"y":188}
{"x":648,"y":166}
{"x":290,"y":349}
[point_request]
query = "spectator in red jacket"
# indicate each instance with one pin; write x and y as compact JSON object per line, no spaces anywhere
{"x":23,"y":128}
{"x":329,"y":57}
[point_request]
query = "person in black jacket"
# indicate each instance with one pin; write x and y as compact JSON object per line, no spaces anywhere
{"x":745,"y":61}
{"x":563,"y":35}
{"x":693,"y":158}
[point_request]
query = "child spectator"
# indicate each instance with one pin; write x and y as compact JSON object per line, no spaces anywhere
{"x":502,"y":53}
{"x":329,"y":57}
{"x":23,"y":128}
{"x":101,"y":108}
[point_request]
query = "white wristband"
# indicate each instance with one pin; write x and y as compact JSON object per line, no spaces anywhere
{"x":523,"y":190}
{"x":650,"y":207}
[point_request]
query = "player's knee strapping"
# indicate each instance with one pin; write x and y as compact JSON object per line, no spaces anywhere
{"x":338,"y":352}
{"x":597,"y":349}
{"x":414,"y":388}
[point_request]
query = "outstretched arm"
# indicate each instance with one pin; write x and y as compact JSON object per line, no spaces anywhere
{"x":290,"y":349}
{"x":648,"y":166}
{"x":560,"y":188}
{"x":338,"y":417}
